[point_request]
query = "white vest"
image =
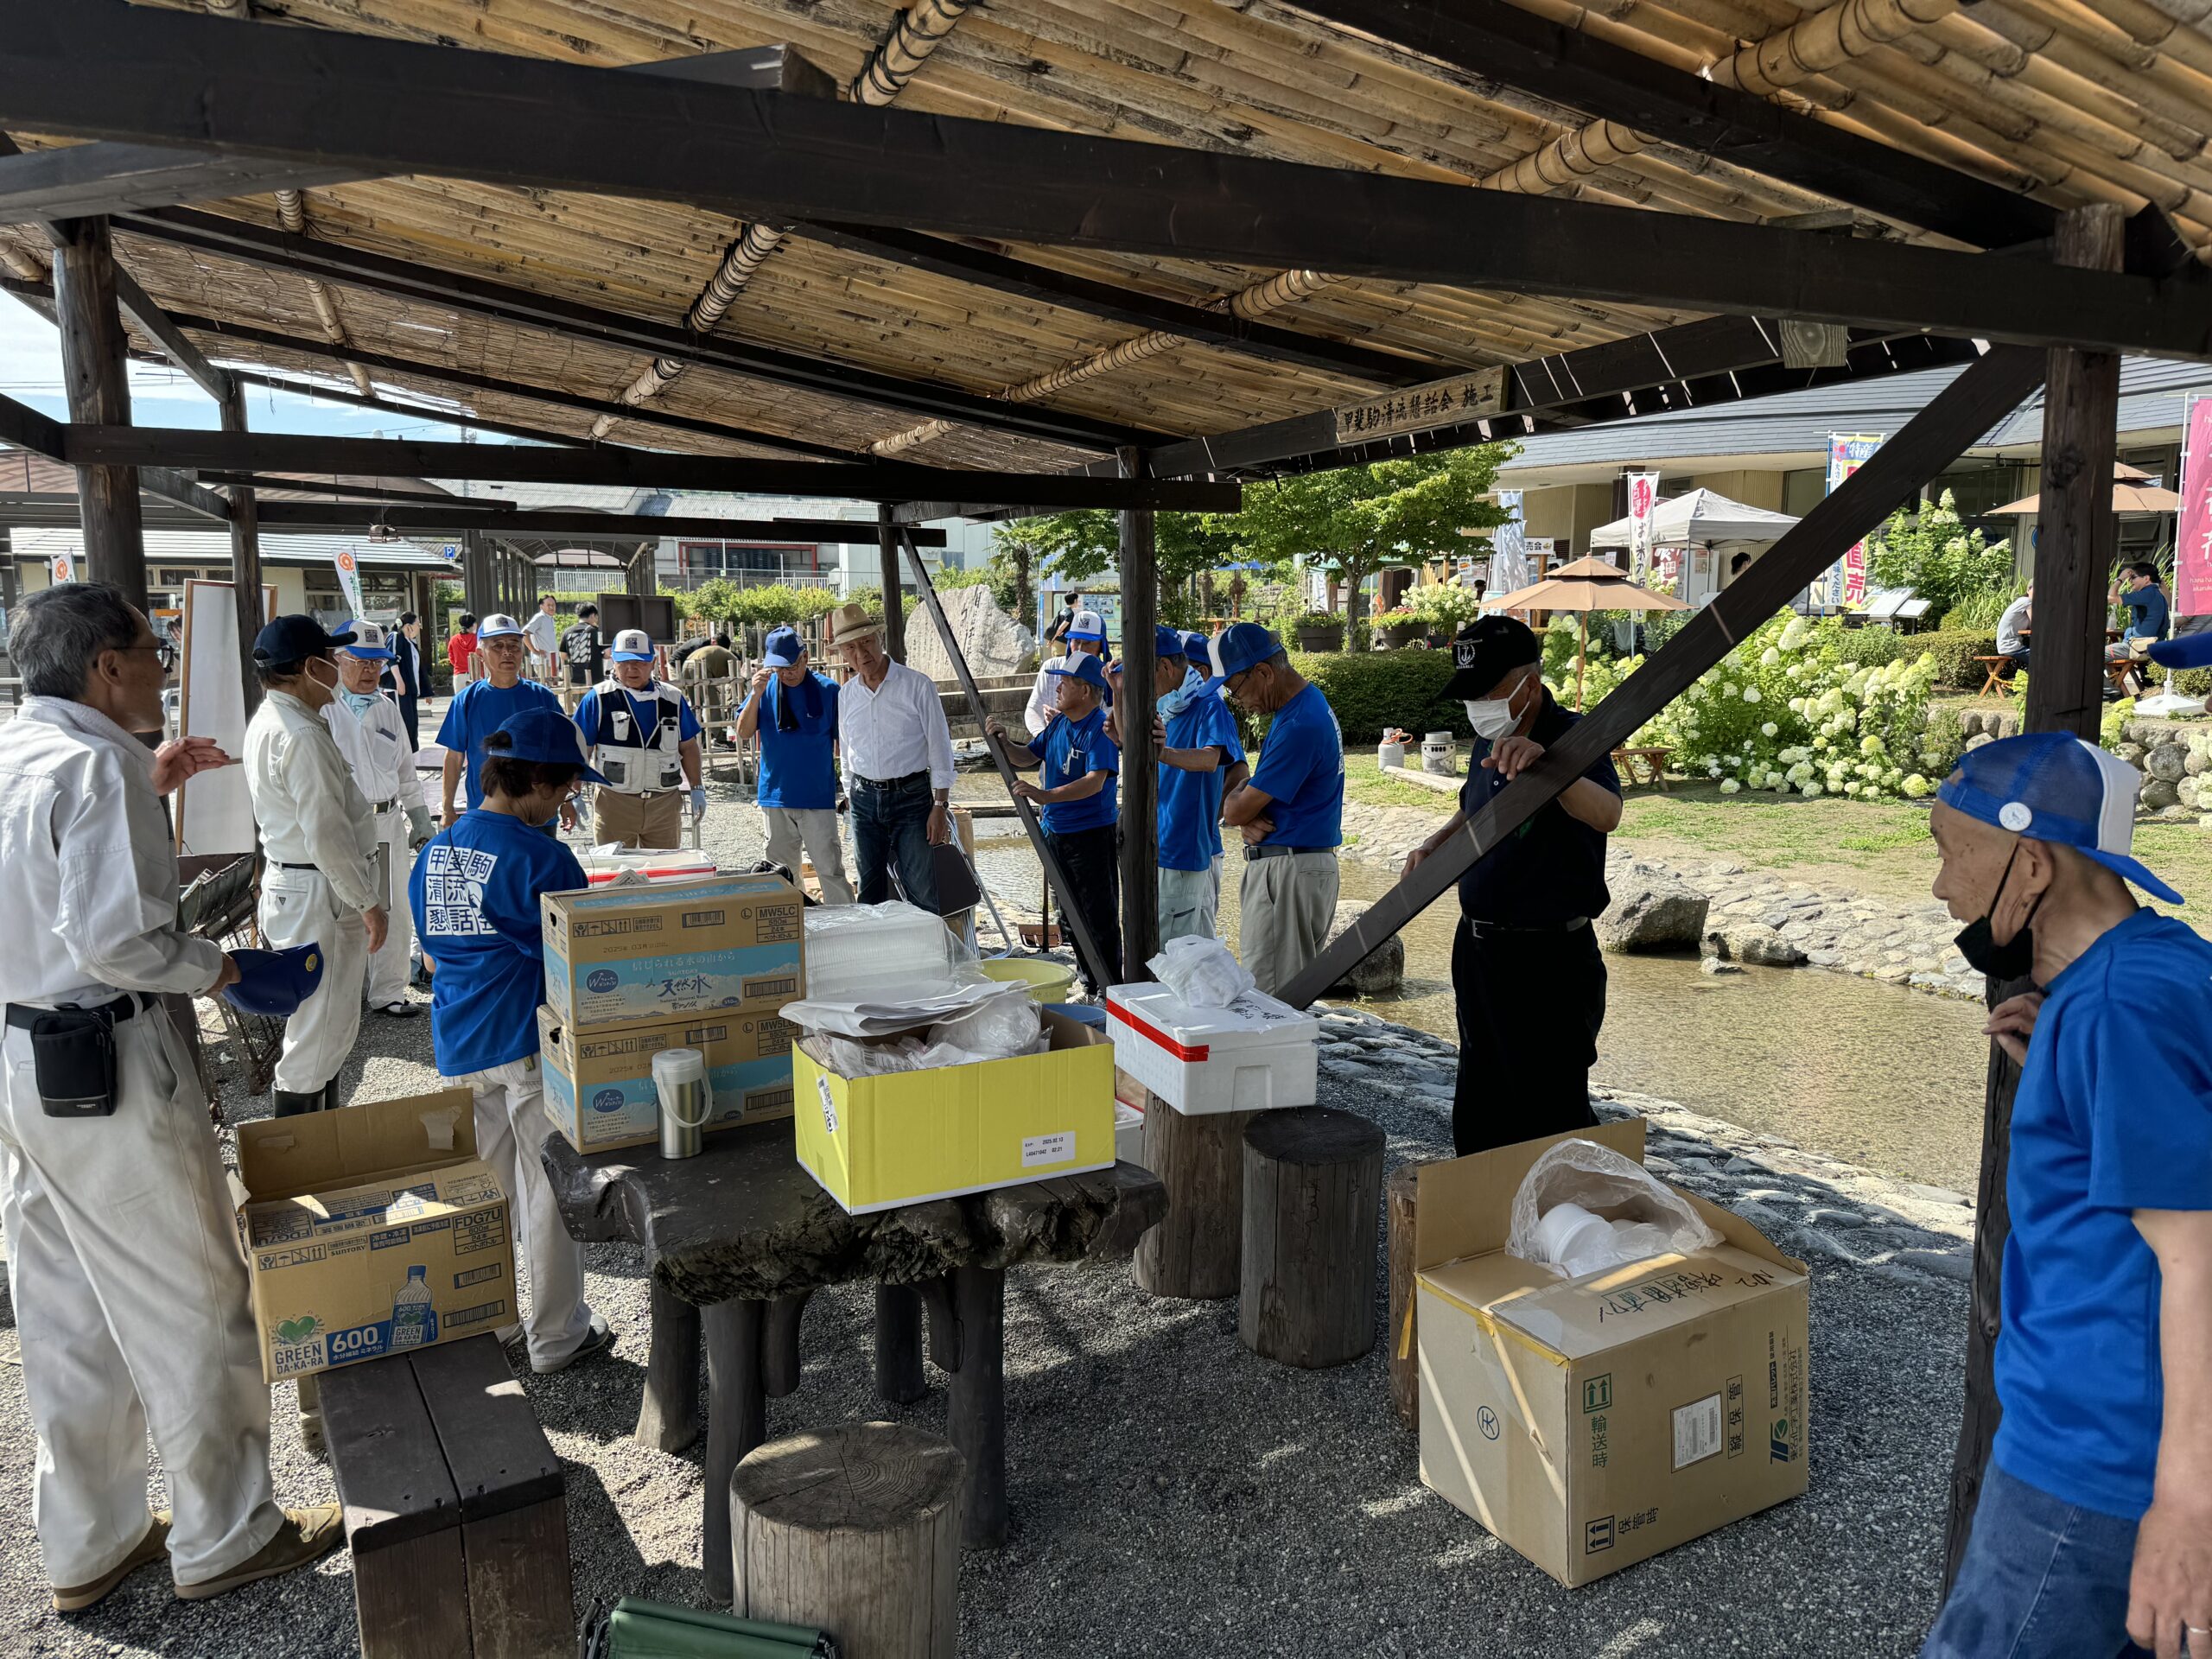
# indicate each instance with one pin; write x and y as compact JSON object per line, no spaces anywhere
{"x":633,"y":764}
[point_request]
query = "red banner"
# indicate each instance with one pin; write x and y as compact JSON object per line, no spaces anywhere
{"x":2193,"y":542}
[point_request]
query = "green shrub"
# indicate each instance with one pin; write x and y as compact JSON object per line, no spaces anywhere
{"x":1371,"y":691}
{"x":1955,"y":651}
{"x":1944,"y":741}
{"x":1871,"y":647}
{"x":2191,"y":682}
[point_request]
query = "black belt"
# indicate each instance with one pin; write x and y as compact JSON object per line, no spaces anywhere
{"x":1276,"y":849}
{"x":313,"y":869}
{"x":891,"y":783}
{"x":1481,"y":930}
{"x":21,"y":1014}
{"x":382,"y":806}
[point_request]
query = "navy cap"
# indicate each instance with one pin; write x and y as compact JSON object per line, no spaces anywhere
{"x":2184,"y":650}
{"x":290,"y":638}
{"x":546,"y":735}
{"x":1198,"y":648}
{"x":274,"y":982}
{"x":1485,"y":652}
{"x":784,"y":648}
{"x":1166,"y":642}
{"x":1237,"y":647}
{"x":1087,"y":668}
{"x":2056,"y":787}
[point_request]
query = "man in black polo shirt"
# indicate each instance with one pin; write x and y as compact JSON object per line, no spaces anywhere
{"x":1526,"y":969}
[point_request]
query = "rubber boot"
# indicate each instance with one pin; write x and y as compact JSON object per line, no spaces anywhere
{"x":291,"y":1103}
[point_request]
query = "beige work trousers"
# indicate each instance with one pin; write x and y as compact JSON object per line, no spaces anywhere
{"x":653,"y":822}
{"x":1288,"y":904}
{"x":815,"y":827}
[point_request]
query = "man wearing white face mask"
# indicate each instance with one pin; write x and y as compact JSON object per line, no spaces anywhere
{"x":1526,"y":969}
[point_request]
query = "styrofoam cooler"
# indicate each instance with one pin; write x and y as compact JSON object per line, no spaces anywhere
{"x":1255,"y":1055}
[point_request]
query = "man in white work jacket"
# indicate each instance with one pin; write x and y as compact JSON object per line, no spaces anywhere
{"x":319,"y":883}
{"x":372,"y":736}
{"x":130,"y":1294}
{"x":645,"y":736}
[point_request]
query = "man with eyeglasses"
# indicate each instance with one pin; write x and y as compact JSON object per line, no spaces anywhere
{"x":480,"y":707}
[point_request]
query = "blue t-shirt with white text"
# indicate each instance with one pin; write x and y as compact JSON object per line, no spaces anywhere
{"x":1190,"y":802}
{"x":1301,"y":771}
{"x":479,"y":710}
{"x":1072,"y":749}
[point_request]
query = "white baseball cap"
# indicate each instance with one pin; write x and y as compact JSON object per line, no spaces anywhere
{"x":632,"y":645}
{"x":370,"y":642}
{"x":498,"y":626}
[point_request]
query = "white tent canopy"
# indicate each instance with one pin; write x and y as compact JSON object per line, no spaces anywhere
{"x":1702,"y":516}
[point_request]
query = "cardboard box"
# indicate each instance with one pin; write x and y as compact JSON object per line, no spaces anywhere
{"x":372,"y":1230}
{"x":904,"y":1137}
{"x":599,"y":1079}
{"x":1591,"y":1423}
{"x":616,"y":955}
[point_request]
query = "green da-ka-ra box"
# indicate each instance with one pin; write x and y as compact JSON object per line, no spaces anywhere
{"x":667,"y":950}
{"x":370,"y":1231}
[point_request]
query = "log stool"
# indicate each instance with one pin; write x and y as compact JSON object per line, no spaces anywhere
{"x":855,"y":1530}
{"x":1193,"y":1252}
{"x":1313,"y":1178}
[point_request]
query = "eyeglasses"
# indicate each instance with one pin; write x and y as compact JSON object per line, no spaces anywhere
{"x":164,"y":652}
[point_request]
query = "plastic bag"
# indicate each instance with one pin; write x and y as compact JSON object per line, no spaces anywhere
{"x":1003,"y":1026}
{"x":1584,"y":1208}
{"x":859,"y":953}
{"x":1201,"y":972}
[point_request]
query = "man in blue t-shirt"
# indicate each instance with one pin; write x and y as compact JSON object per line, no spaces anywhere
{"x":482,"y":707}
{"x":2148,"y":613}
{"x":1201,"y":757}
{"x":1290,"y":812}
{"x":2093,"y":1524}
{"x":794,"y":712}
{"x":1077,"y":801}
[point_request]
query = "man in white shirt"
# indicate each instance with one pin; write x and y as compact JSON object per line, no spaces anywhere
{"x":543,"y":633}
{"x":370,"y":735}
{"x":319,"y":885}
{"x":1085,"y":636}
{"x":130,"y":1296}
{"x":898,"y":754}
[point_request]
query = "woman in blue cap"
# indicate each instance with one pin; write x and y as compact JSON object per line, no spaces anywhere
{"x":474,"y":895}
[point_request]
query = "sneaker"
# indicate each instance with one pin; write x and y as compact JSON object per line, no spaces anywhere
{"x":598,"y":1340}
{"x":307,"y":1536}
{"x":154,"y":1547}
{"x":401,"y":1010}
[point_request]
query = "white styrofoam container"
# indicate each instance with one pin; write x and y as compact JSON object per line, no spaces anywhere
{"x":1129,"y":1134}
{"x":1253,"y":1056}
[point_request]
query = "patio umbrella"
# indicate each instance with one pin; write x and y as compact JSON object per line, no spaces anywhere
{"x":1585,"y":586}
{"x":2132,"y":492}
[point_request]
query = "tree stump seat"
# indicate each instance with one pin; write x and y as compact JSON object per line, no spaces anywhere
{"x":1313,"y":1178}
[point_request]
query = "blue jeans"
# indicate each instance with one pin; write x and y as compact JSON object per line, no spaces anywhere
{"x":2041,"y":1580}
{"x":891,"y":830}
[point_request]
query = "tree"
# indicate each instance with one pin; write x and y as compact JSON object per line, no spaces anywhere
{"x":1935,"y":555}
{"x":1355,"y":521}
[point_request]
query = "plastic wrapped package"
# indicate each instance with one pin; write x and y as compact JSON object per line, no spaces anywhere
{"x":1584,"y":1208}
{"x":1005,"y":1025}
{"x":859,"y":953}
{"x":1202,"y":972}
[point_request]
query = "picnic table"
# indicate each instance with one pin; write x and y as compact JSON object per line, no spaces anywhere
{"x":742,"y":1235}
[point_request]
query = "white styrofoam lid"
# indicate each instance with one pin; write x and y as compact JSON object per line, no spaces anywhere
{"x":1253,"y":1015}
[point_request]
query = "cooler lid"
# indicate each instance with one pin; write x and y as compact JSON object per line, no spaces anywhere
{"x":1254,"y":1019}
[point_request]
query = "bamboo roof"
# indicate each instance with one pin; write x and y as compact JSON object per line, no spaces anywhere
{"x":2070,"y":101}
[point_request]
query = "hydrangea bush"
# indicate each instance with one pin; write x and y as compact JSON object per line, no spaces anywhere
{"x":1785,"y":712}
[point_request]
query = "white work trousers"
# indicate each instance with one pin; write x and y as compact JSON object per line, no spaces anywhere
{"x":511,"y":1126}
{"x":298,"y":907}
{"x":816,"y":828}
{"x":131,"y":1308}
{"x":389,"y":967}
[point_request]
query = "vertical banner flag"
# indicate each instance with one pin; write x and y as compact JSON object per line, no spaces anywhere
{"x":62,"y":568}
{"x":349,"y":578}
{"x":1509,"y":551}
{"x":2193,"y":540}
{"x":1642,"y":502}
{"x":1843,"y":582}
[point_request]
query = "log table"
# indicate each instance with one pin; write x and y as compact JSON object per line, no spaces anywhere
{"x":742,"y":1235}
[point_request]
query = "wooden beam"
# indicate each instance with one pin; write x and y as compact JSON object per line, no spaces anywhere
{"x":173,"y":485}
{"x":83,"y":180}
{"x":1140,"y":851}
{"x":1958,"y":417}
{"x":332,"y":262}
{"x":158,"y":326}
{"x":245,"y":560}
{"x":1130,"y":306}
{"x":92,"y":370}
{"x":1495,"y":40}
{"x":478,"y":597}
{"x":551,"y":521}
{"x":894,"y":608}
{"x":414,"y":411}
{"x":29,"y":429}
{"x":345,"y":490}
{"x":407,"y":107}
{"x":878,"y":480}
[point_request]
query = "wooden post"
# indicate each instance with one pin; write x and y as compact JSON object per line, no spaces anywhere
{"x":2073,"y":568}
{"x":855,"y":1531}
{"x":668,"y":1420}
{"x":246,"y":558}
{"x":1140,"y":755}
{"x":974,"y":1413}
{"x":92,"y":370}
{"x":894,"y":608}
{"x":1313,"y":1178}
{"x":779,"y":1357}
{"x":478,"y":596}
{"x":899,"y":1345}
{"x":734,"y":1376}
{"x":1195,"y":1252}
{"x":640,"y":576}
{"x":1400,"y":1194}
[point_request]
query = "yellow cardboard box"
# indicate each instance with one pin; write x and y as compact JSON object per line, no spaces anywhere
{"x":615,"y":955}
{"x":372,"y":1230}
{"x":598,"y":1080}
{"x":878,"y":1142}
{"x":1591,"y":1423}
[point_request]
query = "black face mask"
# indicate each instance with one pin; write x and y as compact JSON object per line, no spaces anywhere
{"x":2016,"y":957}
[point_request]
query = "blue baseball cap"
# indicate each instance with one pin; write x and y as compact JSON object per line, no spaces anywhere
{"x":1167,"y":642}
{"x":546,"y":735}
{"x":293,"y":638}
{"x":1237,"y":647}
{"x":2184,"y":650}
{"x":1197,"y":646}
{"x":1087,"y":624}
{"x":784,"y":648}
{"x":2056,"y":787}
{"x":1088,"y":669}
{"x":274,"y":982}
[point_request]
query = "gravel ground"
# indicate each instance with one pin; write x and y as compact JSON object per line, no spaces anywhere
{"x":1172,"y":1492}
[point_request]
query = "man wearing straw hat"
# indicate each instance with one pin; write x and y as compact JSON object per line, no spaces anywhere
{"x":898,"y":754}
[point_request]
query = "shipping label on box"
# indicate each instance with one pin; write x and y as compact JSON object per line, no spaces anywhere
{"x":598,"y":1080}
{"x":370,"y":1231}
{"x":617,"y":955}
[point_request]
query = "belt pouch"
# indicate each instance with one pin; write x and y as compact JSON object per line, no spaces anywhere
{"x":72,"y":1055}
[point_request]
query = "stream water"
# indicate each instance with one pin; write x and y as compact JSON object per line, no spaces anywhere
{"x":1870,"y":1073}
